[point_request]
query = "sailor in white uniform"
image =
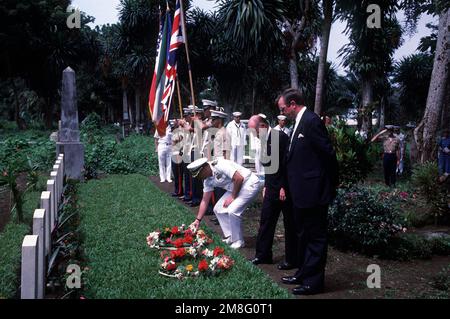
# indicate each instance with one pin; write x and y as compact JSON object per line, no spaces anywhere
{"x":237,"y":134}
{"x":241,"y":187}
{"x":164,"y":149}
{"x":282,"y":125}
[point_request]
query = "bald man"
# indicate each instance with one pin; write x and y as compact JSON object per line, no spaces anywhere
{"x":274,"y":147}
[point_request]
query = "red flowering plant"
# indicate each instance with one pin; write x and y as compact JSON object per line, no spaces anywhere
{"x":177,"y":237}
{"x":185,"y":254}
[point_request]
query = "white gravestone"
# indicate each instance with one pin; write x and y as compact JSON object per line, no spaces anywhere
{"x":51,"y":188}
{"x":46,"y":204}
{"x":29,"y":271}
{"x":39,"y":218}
{"x":57,"y":168}
{"x":54,"y":176}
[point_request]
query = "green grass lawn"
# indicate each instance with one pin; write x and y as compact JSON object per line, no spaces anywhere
{"x":117,"y":213}
{"x":11,"y":239}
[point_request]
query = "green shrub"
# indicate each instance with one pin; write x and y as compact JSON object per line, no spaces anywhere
{"x":359,"y":221}
{"x":353,"y":154}
{"x":408,"y":247}
{"x":425,"y":178}
{"x":104,"y":154}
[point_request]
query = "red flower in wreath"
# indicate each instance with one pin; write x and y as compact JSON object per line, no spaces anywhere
{"x":171,"y":266}
{"x":218,"y":251}
{"x":188,"y":233}
{"x":188,"y":240}
{"x":178,"y":243}
{"x":203,"y":265}
{"x":175,"y":230}
{"x":178,"y":254}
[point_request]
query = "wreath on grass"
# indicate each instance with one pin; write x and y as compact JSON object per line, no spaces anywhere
{"x":185,"y":253}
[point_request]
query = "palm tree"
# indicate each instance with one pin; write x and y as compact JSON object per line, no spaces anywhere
{"x":324,"y":41}
{"x":136,"y":46}
{"x":259,"y":28}
{"x":369,"y":52}
{"x":410,"y":75}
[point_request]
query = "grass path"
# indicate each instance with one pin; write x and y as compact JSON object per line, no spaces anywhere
{"x":117,"y":213}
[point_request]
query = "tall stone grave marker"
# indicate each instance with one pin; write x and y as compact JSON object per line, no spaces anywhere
{"x":69,"y":135}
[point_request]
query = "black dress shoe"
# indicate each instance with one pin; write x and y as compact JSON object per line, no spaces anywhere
{"x":184,"y":199}
{"x":306,"y":291}
{"x":291,"y":280}
{"x":194,"y":204}
{"x":285,"y":266}
{"x":175,"y":195}
{"x":214,"y":219}
{"x":258,"y":261}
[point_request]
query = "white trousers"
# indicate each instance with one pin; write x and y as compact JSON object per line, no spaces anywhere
{"x":237,"y":154}
{"x":230,"y":218}
{"x":165,"y":162}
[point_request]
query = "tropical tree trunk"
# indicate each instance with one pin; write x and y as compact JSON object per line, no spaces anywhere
{"x":125,"y":115}
{"x":138,"y":108}
{"x":293,"y":71}
{"x":17,"y":118}
{"x":326,"y":29}
{"x":425,"y":133}
{"x":367,"y":102}
{"x":446,"y":109}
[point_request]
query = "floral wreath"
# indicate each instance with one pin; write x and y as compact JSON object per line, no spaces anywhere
{"x":181,"y":246}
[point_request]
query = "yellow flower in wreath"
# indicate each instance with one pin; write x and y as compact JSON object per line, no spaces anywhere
{"x":189,"y":268}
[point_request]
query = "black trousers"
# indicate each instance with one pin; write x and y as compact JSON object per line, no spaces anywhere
{"x":271,"y":209}
{"x":311,"y":231}
{"x":390,"y":168}
{"x":177,"y":170}
{"x":187,"y":181}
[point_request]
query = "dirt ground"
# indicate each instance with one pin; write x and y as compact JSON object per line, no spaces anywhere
{"x":346,"y":274}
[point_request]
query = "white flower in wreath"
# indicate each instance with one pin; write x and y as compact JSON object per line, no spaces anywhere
{"x":192,"y":251}
{"x":153,"y":239}
{"x":213,"y":263}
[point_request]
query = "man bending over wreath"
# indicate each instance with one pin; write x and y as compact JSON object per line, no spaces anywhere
{"x":241,"y":187}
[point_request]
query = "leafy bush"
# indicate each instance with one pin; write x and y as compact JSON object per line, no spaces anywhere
{"x":359,"y":221}
{"x":104,"y":154}
{"x":408,"y":247}
{"x":27,"y":149}
{"x":353,"y":153}
{"x":425,"y":178}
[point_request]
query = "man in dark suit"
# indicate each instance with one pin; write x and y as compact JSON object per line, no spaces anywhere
{"x":312,"y":180}
{"x":274,"y":145}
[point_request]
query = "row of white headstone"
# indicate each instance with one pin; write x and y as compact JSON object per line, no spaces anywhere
{"x":36,"y":248}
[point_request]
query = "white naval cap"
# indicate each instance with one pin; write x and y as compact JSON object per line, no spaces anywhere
{"x":196,"y":166}
{"x":281,"y":117}
{"x":196,"y":108}
{"x":218,"y":114}
{"x":209,"y":103}
{"x":237,"y":114}
{"x":264,"y":116}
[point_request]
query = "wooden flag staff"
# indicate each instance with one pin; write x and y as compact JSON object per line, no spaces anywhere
{"x":183,"y":24}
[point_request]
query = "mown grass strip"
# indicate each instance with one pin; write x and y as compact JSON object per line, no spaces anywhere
{"x":10,"y":247}
{"x":117,"y":213}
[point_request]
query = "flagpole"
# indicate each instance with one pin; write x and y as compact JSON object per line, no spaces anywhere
{"x":183,"y":24}
{"x":179,"y":98}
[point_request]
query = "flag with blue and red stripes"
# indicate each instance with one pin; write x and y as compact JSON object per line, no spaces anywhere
{"x":176,"y":41}
{"x":156,"y":108}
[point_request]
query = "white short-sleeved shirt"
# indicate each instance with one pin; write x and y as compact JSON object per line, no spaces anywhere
{"x":166,"y":140}
{"x":223,"y":171}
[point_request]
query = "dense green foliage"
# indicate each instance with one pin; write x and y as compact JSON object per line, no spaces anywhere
{"x":353,"y":153}
{"x":425,"y":178}
{"x":361,"y":222}
{"x":117,"y":214}
{"x":107,"y":153}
